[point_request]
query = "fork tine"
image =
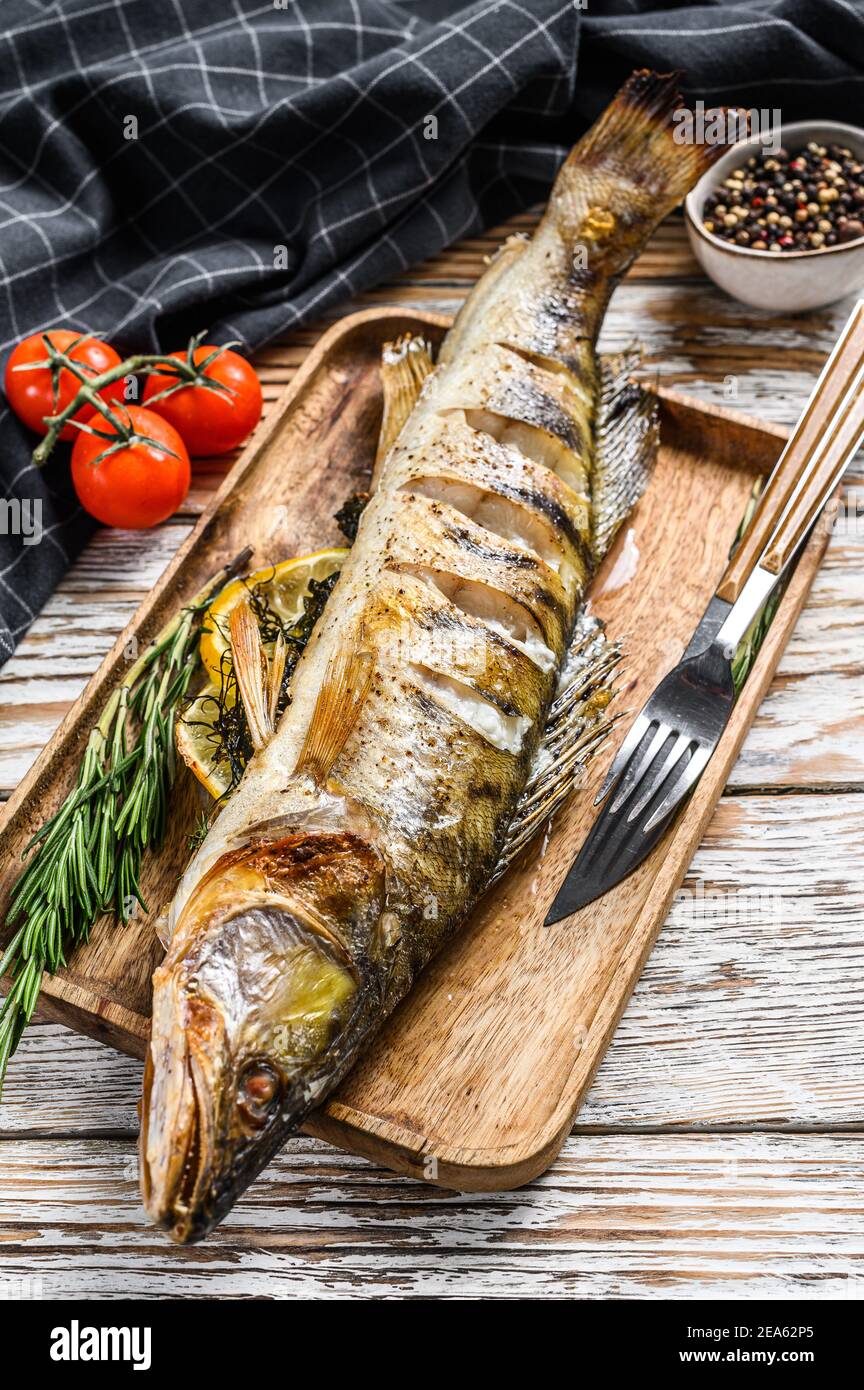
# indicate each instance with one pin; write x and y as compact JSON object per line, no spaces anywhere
{"x":638,"y":766}
{"x":638,"y":730}
{"x":655,"y":776}
{"x":681,"y":786}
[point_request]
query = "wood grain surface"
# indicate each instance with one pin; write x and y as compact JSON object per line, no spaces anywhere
{"x":619,"y":1216}
{"x":749,"y":1016}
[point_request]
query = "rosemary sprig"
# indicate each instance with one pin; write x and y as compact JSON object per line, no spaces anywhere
{"x":86,"y":860}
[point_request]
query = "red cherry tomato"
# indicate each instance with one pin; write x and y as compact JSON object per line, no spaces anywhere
{"x":31,"y":393}
{"x":211,"y":422}
{"x":137,"y":486}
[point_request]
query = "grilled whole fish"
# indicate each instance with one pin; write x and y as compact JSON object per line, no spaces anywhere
{"x":367,"y":827}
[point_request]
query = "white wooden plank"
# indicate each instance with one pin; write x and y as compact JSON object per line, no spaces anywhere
{"x":77,"y":627}
{"x":750,"y":1010}
{"x":61,"y":1083}
{"x":695,"y":337}
{"x":637,"y":1216}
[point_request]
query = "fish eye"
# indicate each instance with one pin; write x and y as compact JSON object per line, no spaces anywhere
{"x":258,"y":1092}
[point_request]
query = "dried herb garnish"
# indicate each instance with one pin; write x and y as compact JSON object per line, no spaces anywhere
{"x":348,"y":515}
{"x":229,"y":736}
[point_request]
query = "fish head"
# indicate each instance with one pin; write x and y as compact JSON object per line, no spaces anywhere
{"x":272,"y":970}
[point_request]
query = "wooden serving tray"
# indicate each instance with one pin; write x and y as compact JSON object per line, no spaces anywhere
{"x":476,"y":1079}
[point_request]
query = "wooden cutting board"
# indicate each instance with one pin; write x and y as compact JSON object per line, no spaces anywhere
{"x":475,"y":1081}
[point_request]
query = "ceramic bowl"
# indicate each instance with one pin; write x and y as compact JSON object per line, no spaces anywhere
{"x":793,"y":280}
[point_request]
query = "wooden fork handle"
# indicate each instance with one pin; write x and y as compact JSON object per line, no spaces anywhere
{"x":811,"y":465}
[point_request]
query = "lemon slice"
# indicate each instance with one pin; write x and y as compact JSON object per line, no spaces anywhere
{"x":282,"y":587}
{"x":278,"y":590}
{"x":199,"y":745}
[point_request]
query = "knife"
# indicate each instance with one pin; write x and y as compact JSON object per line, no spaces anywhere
{"x":676,"y":732}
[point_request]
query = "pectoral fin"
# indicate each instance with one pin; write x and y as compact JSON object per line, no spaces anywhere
{"x":340,"y":699}
{"x":250,"y":668}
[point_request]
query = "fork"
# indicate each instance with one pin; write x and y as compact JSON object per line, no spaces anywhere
{"x":677,"y":730}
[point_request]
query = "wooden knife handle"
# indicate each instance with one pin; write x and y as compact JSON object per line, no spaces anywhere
{"x":810,"y":466}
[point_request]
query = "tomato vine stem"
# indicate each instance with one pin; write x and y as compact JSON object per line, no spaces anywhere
{"x":185,"y":369}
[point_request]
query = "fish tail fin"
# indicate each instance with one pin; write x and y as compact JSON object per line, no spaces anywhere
{"x":626,"y":439}
{"x":344,"y":688}
{"x":632,"y":167}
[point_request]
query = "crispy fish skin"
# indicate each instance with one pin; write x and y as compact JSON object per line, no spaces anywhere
{"x":336,"y":870}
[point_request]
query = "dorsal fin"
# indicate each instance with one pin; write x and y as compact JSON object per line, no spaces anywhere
{"x":340,"y":699}
{"x":405,"y":366}
{"x":575,"y":730}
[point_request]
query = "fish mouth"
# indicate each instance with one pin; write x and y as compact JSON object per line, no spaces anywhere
{"x":177,"y":1143}
{"x":176,"y":1203}
{"x":246,"y":1009}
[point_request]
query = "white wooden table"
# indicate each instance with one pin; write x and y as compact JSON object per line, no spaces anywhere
{"x":719,"y":1152}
